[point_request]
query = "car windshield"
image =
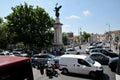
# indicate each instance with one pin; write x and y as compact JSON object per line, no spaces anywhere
{"x":52,"y":56}
{"x":88,"y":59}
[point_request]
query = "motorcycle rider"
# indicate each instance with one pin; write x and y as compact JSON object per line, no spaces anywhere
{"x":50,"y":71}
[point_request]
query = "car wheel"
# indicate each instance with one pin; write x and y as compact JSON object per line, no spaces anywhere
{"x":92,"y":74}
{"x":78,"y":53}
{"x":64,"y":71}
{"x":33,"y":66}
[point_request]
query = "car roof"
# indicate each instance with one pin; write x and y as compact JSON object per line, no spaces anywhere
{"x":98,"y":49}
{"x":41,"y":54}
{"x":70,"y":49}
{"x":96,"y":53}
{"x":38,"y":54}
{"x":74,"y":56}
{"x":91,"y":46}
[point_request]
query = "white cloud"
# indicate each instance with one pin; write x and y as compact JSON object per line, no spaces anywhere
{"x":86,"y":13}
{"x":73,"y":17}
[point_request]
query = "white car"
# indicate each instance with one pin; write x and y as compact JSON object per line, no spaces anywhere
{"x":6,"y":53}
{"x":72,"y":51}
{"x":80,"y":64}
{"x":87,"y":50}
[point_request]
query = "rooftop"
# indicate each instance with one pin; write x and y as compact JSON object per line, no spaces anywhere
{"x":74,"y":56}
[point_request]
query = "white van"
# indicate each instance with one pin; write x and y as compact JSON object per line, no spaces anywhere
{"x":80,"y":64}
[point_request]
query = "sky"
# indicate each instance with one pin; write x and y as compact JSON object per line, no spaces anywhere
{"x":92,"y":16}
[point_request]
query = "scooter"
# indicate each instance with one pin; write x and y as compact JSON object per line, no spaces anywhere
{"x":50,"y":72}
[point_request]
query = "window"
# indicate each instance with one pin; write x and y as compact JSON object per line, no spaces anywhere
{"x":94,"y":56}
{"x":82,"y":62}
{"x":98,"y":56}
{"x":102,"y":51}
{"x":71,"y":50}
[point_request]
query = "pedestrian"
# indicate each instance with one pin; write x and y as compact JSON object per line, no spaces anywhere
{"x":41,"y":67}
{"x":79,"y":46}
{"x":116,"y":47}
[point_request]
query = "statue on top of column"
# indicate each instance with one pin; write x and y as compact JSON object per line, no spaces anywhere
{"x":57,"y":10}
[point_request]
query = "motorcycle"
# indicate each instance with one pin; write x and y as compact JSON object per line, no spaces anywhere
{"x":50,"y":72}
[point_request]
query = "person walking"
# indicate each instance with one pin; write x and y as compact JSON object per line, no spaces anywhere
{"x":116,"y":47}
{"x":41,"y":67}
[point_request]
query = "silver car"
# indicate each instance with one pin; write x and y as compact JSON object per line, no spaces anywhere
{"x":43,"y":58}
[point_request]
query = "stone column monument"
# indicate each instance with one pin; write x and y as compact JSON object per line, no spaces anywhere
{"x":57,"y":29}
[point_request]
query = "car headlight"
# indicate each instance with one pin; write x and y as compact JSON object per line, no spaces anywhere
{"x":99,"y":67}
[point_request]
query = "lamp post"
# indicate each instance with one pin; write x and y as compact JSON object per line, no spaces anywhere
{"x":80,"y":32}
{"x":109,"y":35}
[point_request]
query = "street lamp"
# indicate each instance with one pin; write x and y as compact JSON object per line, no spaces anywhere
{"x":80,"y":32}
{"x":109,"y":35}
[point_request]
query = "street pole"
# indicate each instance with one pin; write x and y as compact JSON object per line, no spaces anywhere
{"x":80,"y":32}
{"x":109,"y":35}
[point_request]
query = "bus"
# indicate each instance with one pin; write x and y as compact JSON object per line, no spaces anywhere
{"x":15,"y":68}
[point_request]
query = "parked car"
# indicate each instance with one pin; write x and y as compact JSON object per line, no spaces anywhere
{"x":101,"y":58}
{"x":80,"y":64}
{"x":105,"y":52}
{"x":107,"y":48}
{"x":113,"y":64}
{"x":100,"y":44}
{"x":19,"y":52}
{"x":43,"y":58}
{"x":72,"y":51}
{"x":6,"y":53}
{"x":87,"y":50}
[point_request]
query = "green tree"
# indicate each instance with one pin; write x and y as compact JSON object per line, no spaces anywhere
{"x":1,"y":20}
{"x":64,"y":38}
{"x":30,"y":25}
{"x":4,"y":36}
{"x":85,"y":36}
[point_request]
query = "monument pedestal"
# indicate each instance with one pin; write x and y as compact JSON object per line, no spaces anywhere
{"x":58,"y":34}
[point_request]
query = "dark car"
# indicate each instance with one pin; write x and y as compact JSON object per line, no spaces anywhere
{"x":19,"y":52}
{"x":101,"y":58}
{"x":113,"y":64}
{"x":43,"y":58}
{"x":105,"y":52}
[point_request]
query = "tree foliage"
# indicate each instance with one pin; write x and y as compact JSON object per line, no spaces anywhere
{"x":85,"y":36}
{"x":1,"y":20}
{"x":30,"y":25}
{"x":4,"y":36}
{"x":64,"y":38}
